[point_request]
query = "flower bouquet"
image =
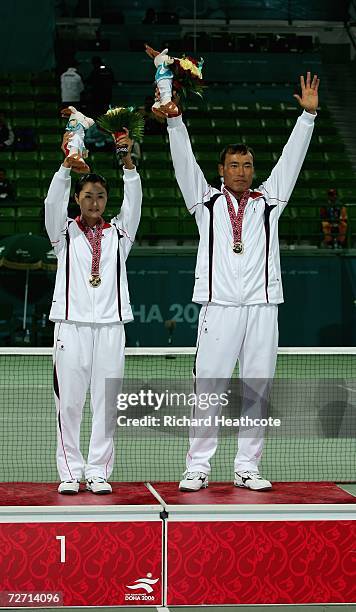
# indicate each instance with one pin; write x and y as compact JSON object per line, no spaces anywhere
{"x":116,"y":119}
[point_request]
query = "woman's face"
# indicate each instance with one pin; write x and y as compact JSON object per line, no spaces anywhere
{"x":92,"y":201}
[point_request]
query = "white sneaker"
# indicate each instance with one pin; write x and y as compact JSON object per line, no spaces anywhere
{"x":251,"y":480}
{"x":69,"y":487}
{"x":193,"y":481}
{"x":99,"y":485}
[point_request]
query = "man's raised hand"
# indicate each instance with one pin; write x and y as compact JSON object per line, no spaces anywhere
{"x":309,"y":99}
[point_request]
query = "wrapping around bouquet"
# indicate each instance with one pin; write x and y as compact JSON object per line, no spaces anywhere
{"x":116,"y":119}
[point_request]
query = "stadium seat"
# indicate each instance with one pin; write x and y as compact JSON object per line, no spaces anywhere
{"x":23,"y":108}
{"x":50,"y":141}
{"x":166,"y":221}
{"x":248,"y":126}
{"x":347,"y":194}
{"x":224,"y":125}
{"x":6,"y":159}
{"x":26,"y":193}
{"x":26,"y":160}
{"x":7,"y":221}
{"x":199,"y":124}
{"x":29,"y":219}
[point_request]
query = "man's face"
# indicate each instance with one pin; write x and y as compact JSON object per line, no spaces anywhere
{"x":92,"y":201}
{"x":237,"y":172}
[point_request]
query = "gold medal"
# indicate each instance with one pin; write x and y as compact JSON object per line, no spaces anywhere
{"x":238,"y":248}
{"x":95,"y":281}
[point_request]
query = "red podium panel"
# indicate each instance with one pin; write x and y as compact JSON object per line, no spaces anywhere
{"x":80,"y":551}
{"x":269,"y":562}
{"x":294,"y":544}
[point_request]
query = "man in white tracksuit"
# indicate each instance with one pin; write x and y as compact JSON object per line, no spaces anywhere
{"x":90,"y":306}
{"x":238,"y":277}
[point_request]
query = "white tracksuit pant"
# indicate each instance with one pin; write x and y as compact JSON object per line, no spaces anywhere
{"x":227,"y":334}
{"x":84,"y":356}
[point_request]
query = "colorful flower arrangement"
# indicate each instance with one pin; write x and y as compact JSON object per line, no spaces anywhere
{"x":116,"y":119}
{"x":188,"y":77}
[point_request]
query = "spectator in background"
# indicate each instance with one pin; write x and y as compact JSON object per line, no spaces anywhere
{"x":7,"y":189}
{"x":100,"y":82}
{"x":71,"y":87}
{"x":6,"y":133}
{"x":150,"y":17}
{"x":334,"y":222}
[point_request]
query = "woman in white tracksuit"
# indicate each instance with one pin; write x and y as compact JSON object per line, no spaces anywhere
{"x":90,"y":307}
{"x":238,"y":281}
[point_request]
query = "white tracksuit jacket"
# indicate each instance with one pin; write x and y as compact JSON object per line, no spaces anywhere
{"x":222,"y":276}
{"x":74,"y":299}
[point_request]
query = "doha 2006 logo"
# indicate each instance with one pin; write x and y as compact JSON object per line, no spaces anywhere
{"x":141,"y":584}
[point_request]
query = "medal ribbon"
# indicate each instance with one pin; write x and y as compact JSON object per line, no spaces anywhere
{"x":236,"y":219}
{"x":94,"y":239}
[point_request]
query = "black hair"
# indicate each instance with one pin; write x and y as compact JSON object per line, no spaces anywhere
{"x":231,"y":149}
{"x":90,"y":178}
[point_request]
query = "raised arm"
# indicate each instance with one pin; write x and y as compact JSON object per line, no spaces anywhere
{"x":189,"y":175}
{"x":56,"y":206}
{"x":280,"y":184}
{"x":128,"y":219}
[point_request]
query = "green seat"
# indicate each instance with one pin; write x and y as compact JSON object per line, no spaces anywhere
{"x":347,"y":194}
{"x":309,"y":212}
{"x":249,"y":126}
{"x":112,"y":175}
{"x":158,"y":156}
{"x":166,"y":222}
{"x":29,"y":211}
{"x":331,"y":141}
{"x":317,"y":176}
{"x":275,"y":126}
{"x":154,"y":143}
{"x":21,"y":90}
{"x":319,"y":194}
{"x":342,"y":175}
{"x":50,"y":122}
{"x":199,"y":124}
{"x":27,"y":173}
{"x":269,"y":110}
{"x":225,"y":125}
{"x":6,"y":159}
{"x":30,"y":202}
{"x":6,"y":106}
{"x":49,"y":141}
{"x":301,"y":193}
{"x":351,"y":212}
{"x":207,"y":156}
{"x":28,"y":193}
{"x":255,"y":141}
{"x":205,"y":140}
{"x":23,"y":108}
{"x":277,"y":140}
{"x":46,"y":109}
{"x":7,"y":212}
{"x":24,"y":122}
{"x":26,"y":160}
{"x":28,"y":225}
{"x":309,"y":231}
{"x":50,"y":156}
{"x":159,"y":176}
{"x":166,"y":193}
{"x":7,"y":221}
